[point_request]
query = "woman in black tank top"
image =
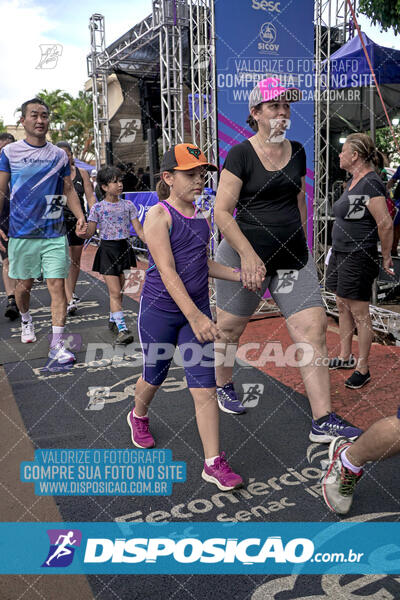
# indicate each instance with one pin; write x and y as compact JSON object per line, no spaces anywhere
{"x":83,"y":187}
{"x":79,"y":186}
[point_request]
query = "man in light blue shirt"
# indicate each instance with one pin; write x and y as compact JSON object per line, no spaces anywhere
{"x":40,"y":184}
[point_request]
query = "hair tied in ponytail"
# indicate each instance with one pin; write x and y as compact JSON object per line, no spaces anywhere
{"x":162,"y":190}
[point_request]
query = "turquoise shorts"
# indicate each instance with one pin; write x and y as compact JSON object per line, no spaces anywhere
{"x":29,"y":257}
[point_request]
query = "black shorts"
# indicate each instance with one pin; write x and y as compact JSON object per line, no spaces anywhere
{"x":73,"y":239}
{"x":351,"y":274}
{"x":4,"y":253}
{"x":113,"y":257}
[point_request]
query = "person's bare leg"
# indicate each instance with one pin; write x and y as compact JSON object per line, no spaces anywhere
{"x":23,"y":294}
{"x":365,"y":332}
{"x":380,"y":441}
{"x":346,"y":327}
{"x":309,"y":326}
{"x":231,"y":328}
{"x":58,"y":301}
{"x":75,"y":253}
{"x":113,"y":284}
{"x":122,"y":285}
{"x":144,"y":394}
{"x":9,"y":284}
{"x":207,"y":417}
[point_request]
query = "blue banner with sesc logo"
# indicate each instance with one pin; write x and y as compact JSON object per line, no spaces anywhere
{"x":256,"y":39}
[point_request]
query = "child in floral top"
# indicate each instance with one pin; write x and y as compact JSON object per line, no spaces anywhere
{"x":113,"y":216}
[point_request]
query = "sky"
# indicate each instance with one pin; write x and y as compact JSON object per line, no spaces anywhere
{"x":28,"y":24}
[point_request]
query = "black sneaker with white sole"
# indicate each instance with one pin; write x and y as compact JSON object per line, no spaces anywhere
{"x":357,"y":380}
{"x":11,"y":311}
{"x":339,"y":363}
{"x":124,"y":337}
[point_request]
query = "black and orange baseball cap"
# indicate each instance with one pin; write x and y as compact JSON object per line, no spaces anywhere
{"x":183,"y":157}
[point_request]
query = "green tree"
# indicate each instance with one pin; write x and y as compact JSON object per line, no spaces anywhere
{"x":386,"y":144}
{"x":57,"y":101}
{"x":79,"y":125}
{"x":2,"y":127}
{"x":385,"y":13}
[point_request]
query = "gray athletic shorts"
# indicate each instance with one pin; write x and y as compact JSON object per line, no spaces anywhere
{"x":293,"y":290}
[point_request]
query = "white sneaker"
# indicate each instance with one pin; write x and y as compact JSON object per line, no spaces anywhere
{"x":61,"y":355}
{"x":27,"y":332}
{"x":75,"y":298}
{"x":72,"y":307}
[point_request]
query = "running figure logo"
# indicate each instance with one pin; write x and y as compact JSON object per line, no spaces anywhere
{"x":129,"y":130}
{"x":133,"y":280}
{"x":357,"y":206}
{"x":50,"y":55}
{"x":286,"y":280}
{"x":278,"y":130}
{"x":62,"y":547}
{"x":70,"y":341}
{"x":54,"y":206}
{"x":252,"y":393}
{"x":203,"y":56}
{"x":97,"y":397}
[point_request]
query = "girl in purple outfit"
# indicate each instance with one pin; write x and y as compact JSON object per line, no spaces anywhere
{"x":174,"y":307}
{"x":113,"y":217}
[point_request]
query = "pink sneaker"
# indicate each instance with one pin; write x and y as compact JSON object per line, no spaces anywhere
{"x":221,"y":474}
{"x":140,"y":434}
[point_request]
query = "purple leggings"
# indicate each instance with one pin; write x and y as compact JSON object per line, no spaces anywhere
{"x":160,"y":332}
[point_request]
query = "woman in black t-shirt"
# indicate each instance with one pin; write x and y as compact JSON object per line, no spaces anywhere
{"x":362,"y":217}
{"x":264,"y":180}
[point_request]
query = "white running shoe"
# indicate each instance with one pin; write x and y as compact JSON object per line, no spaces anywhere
{"x":61,"y":355}
{"x":27,"y":332}
{"x":72,"y":307}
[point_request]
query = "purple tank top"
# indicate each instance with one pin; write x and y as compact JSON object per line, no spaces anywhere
{"x":189,"y":237}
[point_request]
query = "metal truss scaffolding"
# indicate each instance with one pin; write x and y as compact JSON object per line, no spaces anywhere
{"x":204,"y":94}
{"x":98,"y":73}
{"x":173,"y":21}
{"x":170,"y":24}
{"x":203,"y":77}
{"x":321,"y":141}
{"x":330,"y":16}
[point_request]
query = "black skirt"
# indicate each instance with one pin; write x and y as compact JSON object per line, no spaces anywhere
{"x":113,"y":257}
{"x":351,"y":274}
